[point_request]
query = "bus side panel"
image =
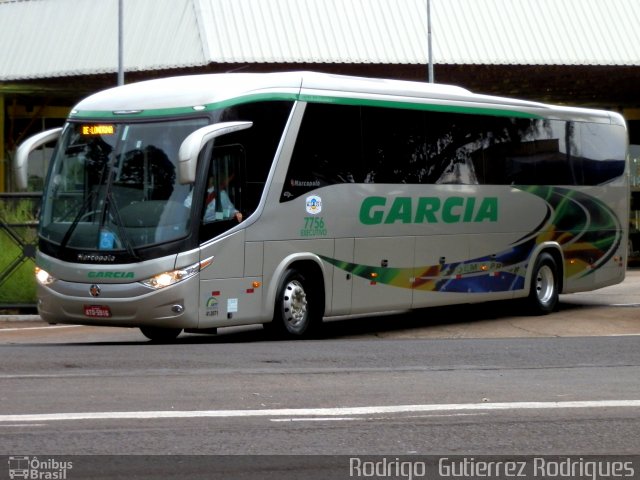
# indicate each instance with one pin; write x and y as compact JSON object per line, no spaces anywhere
{"x":228,"y":256}
{"x":387,"y":284}
{"x":500,"y":273}
{"x":598,"y":256}
{"x":234,"y":301}
{"x":342,"y":280}
{"x":253,"y":259}
{"x":227,"y":296}
{"x":230,"y":301}
{"x":432,"y":254}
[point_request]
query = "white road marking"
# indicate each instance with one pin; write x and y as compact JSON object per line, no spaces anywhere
{"x":22,"y":425}
{"x":317,"y":412}
{"x":48,"y":327}
{"x":316,"y":419}
{"x":348,"y":419}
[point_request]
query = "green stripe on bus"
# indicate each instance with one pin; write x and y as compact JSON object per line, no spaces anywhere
{"x":177,"y":111}
{"x":263,"y":97}
{"x":466,"y":109}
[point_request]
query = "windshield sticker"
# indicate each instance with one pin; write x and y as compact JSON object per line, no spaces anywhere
{"x":107,"y":240}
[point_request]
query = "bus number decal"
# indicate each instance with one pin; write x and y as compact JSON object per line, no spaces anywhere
{"x":313,"y":227}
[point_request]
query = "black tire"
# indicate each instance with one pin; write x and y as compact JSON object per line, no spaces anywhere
{"x":298,"y":307}
{"x":545,"y":285}
{"x":161,"y":335}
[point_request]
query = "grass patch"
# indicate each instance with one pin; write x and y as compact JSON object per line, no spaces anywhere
{"x":20,"y":286}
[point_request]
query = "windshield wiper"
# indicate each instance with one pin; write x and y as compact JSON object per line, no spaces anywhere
{"x":78,"y":217}
{"x":122,"y":231}
{"x":83,"y":208}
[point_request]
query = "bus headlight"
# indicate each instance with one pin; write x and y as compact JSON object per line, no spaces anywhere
{"x":166,"y":279}
{"x":43,"y":277}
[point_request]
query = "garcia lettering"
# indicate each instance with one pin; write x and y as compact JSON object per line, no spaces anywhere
{"x":119,"y":275}
{"x":377,"y":210}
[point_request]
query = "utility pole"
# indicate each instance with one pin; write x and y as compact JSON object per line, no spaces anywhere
{"x":431,"y":79}
{"x":120,"y":45}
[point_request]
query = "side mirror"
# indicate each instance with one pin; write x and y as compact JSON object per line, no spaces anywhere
{"x":193,"y":144}
{"x":21,"y":160}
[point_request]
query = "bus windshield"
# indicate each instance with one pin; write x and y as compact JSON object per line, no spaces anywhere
{"x":114,"y":186}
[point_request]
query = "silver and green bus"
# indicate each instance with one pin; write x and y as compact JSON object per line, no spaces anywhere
{"x":199,"y":202}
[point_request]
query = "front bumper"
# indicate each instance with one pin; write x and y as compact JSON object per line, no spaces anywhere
{"x":129,"y":304}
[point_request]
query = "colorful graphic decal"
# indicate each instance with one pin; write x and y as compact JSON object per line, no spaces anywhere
{"x":212,"y":302}
{"x":587,"y":230}
{"x":212,"y":307}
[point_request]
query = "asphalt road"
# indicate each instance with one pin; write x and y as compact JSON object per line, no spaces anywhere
{"x":493,"y":382}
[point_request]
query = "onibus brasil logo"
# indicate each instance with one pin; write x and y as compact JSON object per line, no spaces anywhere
{"x":40,"y":469}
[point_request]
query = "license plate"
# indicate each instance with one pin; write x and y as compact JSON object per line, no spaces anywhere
{"x":97,"y":311}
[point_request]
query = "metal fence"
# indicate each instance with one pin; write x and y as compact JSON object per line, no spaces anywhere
{"x":18,"y":243}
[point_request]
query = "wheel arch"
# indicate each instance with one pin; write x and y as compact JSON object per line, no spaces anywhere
{"x":556,"y":253}
{"x":307,"y":264}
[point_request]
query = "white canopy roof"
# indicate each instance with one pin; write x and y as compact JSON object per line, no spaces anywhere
{"x":57,"y":38}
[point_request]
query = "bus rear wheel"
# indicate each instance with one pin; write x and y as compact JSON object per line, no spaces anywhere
{"x":544,"y":291}
{"x":297,"y":307}
{"x":161,"y":335}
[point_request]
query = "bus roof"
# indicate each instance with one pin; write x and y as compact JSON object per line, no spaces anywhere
{"x":175,"y":95}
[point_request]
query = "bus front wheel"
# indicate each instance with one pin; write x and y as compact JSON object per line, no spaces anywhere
{"x":297,"y":306}
{"x":161,"y":335}
{"x":544,"y":291}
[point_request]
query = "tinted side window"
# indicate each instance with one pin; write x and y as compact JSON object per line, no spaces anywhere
{"x":455,"y":144}
{"x":340,"y":144}
{"x":602,"y":153}
{"x":551,"y":152}
{"x":394,"y":145}
{"x":542,"y":155}
{"x":327,"y":151}
{"x":520,"y":151}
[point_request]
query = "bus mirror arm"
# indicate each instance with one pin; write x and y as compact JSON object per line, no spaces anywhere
{"x":21,"y":159}
{"x":193,"y":144}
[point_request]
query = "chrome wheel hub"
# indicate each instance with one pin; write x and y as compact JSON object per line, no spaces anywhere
{"x":545,"y":285}
{"x":294,"y":303}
